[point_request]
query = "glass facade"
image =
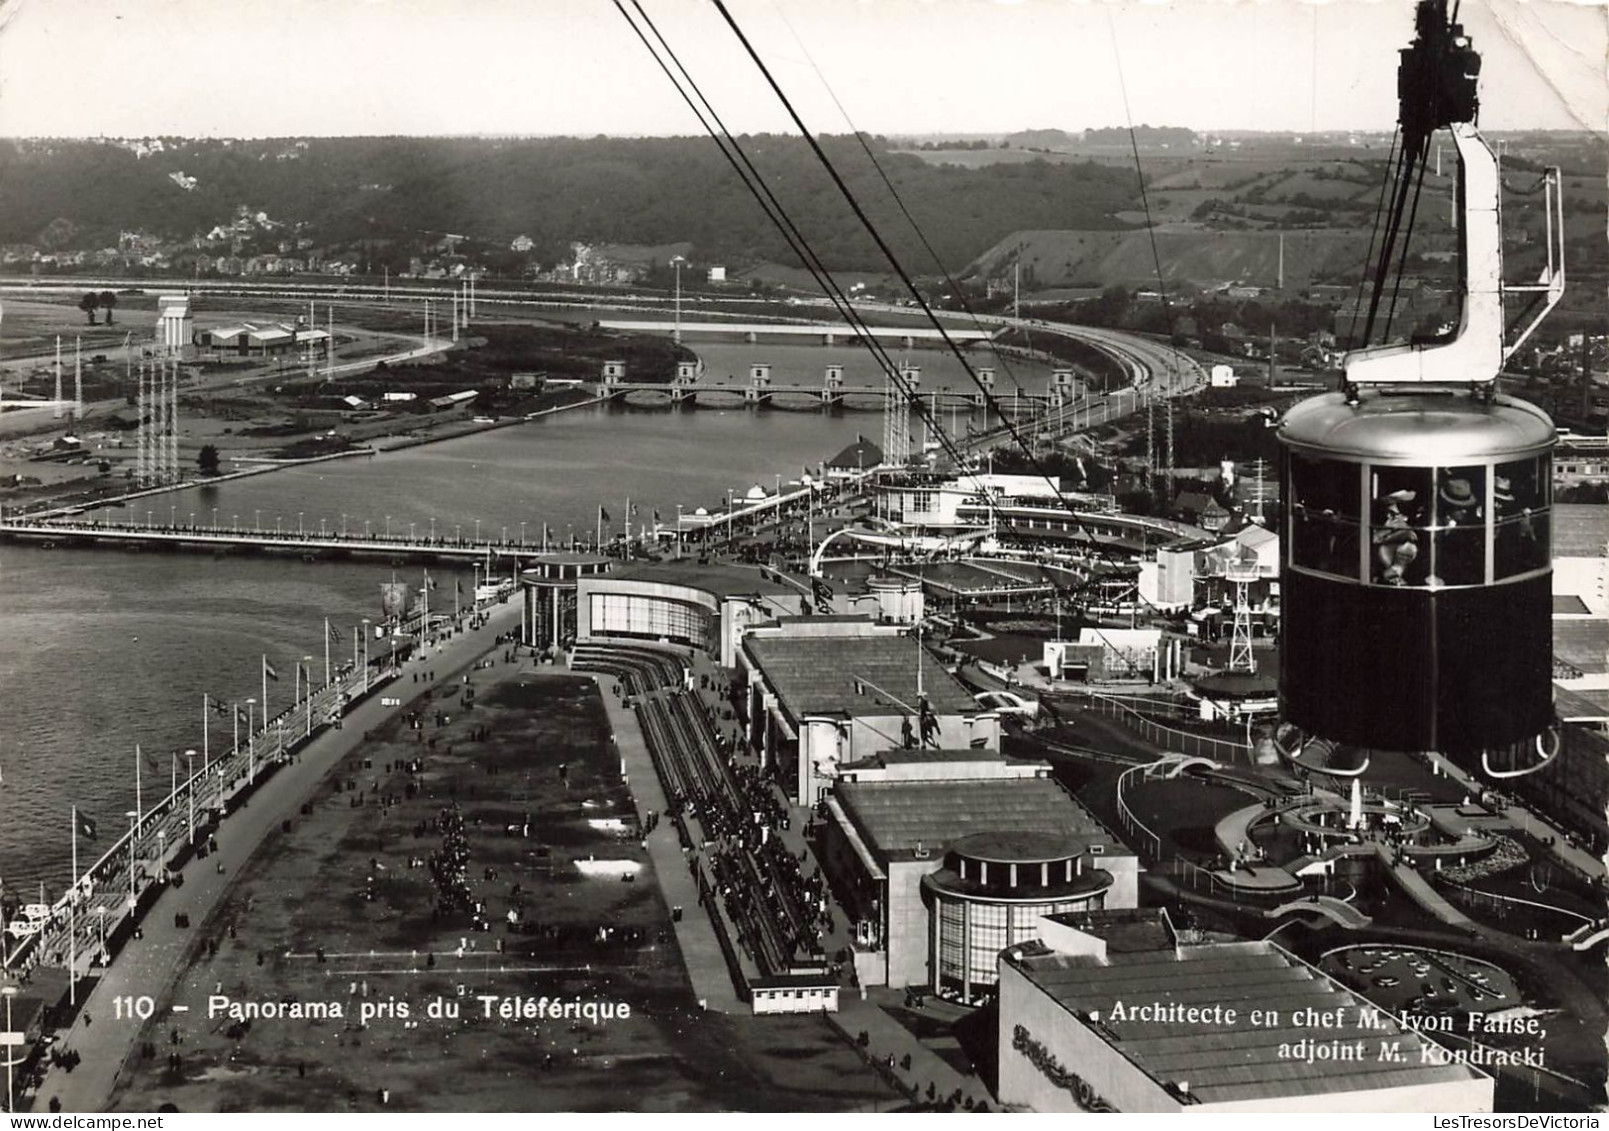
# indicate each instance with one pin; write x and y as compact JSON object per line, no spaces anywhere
{"x":972,"y":933}
{"x":1419,"y":527}
{"x":652,"y":618}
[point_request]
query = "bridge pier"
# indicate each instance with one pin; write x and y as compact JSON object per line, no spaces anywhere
{"x":832,"y":386}
{"x":759,"y":390}
{"x":1063,"y":389}
{"x":682,"y":389}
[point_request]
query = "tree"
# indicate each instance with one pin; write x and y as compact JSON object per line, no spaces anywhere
{"x":89,"y":304}
{"x":208,"y":459}
{"x":108,"y":300}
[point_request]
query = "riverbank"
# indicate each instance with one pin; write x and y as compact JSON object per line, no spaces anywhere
{"x":149,"y":964}
{"x":328,"y":892}
{"x":453,"y":430}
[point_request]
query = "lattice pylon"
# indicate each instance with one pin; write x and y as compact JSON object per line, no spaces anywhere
{"x":1241,"y":575}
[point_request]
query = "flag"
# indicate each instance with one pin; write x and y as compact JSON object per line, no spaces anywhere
{"x":603,"y":515}
{"x":329,"y":630}
{"x":86,"y":825}
{"x":218,"y":706}
{"x":430,"y":582}
{"x":242,"y":716}
{"x":656,"y":514}
{"x":634,"y":510}
{"x":458,"y":585}
{"x":268,"y":670}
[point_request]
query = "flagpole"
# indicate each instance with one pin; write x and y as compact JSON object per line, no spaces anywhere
{"x":206,"y":709}
{"x":326,"y":652}
{"x":138,"y":807}
{"x":72,"y":923}
{"x":265,"y":695}
{"x":628,"y":528}
{"x":599,"y":544}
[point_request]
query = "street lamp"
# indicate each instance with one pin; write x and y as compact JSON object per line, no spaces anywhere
{"x":251,"y":740}
{"x":132,"y":816}
{"x":677,"y":263}
{"x":307,"y":662}
{"x":9,"y":992}
{"x":190,"y":759}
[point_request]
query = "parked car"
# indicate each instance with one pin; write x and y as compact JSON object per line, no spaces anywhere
{"x":1008,"y":703}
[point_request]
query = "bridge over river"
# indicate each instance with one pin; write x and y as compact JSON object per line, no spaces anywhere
{"x":829,"y":333}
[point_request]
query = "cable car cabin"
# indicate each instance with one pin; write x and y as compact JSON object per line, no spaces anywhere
{"x":1416,"y":578}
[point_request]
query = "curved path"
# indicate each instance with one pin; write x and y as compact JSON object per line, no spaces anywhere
{"x":1338,"y":911}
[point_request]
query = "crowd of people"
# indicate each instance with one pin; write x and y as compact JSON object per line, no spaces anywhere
{"x":449,"y":868}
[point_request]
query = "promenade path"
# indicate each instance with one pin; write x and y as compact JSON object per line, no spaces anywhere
{"x":695,"y":934}
{"x":150,"y":965}
{"x":1420,"y":891}
{"x":886,"y":1037}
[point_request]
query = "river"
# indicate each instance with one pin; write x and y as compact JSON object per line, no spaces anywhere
{"x":100,"y":650}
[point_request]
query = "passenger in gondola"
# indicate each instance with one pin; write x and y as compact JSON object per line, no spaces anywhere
{"x":1396,"y":544}
{"x":1461,"y":537}
{"x":1517,"y":545}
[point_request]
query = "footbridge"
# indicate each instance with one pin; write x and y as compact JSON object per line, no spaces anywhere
{"x":692,"y":384}
{"x":828,"y":333}
{"x":1338,"y":911}
{"x":131,"y":536}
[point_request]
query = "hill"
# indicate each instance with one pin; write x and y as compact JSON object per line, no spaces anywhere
{"x":389,"y":197}
{"x":1189,"y":254}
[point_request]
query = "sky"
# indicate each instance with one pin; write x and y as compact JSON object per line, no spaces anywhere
{"x":276,"y":68}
